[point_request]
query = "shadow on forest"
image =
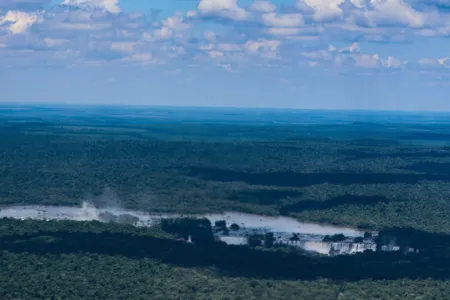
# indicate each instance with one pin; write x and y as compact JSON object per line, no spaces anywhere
{"x":425,"y":136}
{"x":242,"y":260}
{"x":356,"y":154}
{"x":263,"y":197}
{"x":293,"y":179}
{"x":374,"y":142}
{"x":333,"y":202}
{"x":430,"y":167}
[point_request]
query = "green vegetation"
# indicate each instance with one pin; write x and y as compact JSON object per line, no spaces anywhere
{"x":335,"y":238}
{"x":93,"y":260}
{"x":370,"y":175}
{"x":196,"y":168}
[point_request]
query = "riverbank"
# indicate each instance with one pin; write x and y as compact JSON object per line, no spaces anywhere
{"x":288,"y":231}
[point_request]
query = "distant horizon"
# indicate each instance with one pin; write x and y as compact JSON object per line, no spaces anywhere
{"x":292,"y":54}
{"x":168,"y":106}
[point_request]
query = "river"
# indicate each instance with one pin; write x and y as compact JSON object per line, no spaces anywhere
{"x":310,"y":234}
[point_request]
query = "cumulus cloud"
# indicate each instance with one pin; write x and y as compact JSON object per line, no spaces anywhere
{"x":141,"y":58}
{"x":264,"y":48}
{"x":263,"y":6}
{"x":224,"y":8}
{"x":393,"y":12}
{"x":277,"y":31}
{"x":97,"y":32}
{"x":350,"y":57}
{"x":170,"y":27}
{"x":324,"y":9}
{"x":282,"y":20}
{"x":126,"y":47}
{"x":18,"y":22}
{"x":434,"y":62}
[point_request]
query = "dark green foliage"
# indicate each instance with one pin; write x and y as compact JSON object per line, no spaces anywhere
{"x":63,"y":237}
{"x":255,"y":239}
{"x":358,"y":240}
{"x":103,"y":277}
{"x":331,"y":203}
{"x":269,"y":239}
{"x":335,"y":238}
{"x":363,"y":178}
{"x":221,"y":224}
{"x":263,"y":196}
{"x":294,"y":238}
{"x":356,"y":174}
{"x":234,"y":227}
{"x":200,"y":230}
{"x":431,"y":245}
{"x":92,"y":260}
{"x":294,"y":179}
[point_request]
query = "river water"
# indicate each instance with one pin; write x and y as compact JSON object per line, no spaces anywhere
{"x":310,"y":234}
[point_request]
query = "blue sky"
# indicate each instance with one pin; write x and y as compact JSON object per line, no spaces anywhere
{"x":333,"y":54}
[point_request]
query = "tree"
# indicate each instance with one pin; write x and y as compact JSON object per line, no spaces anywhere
{"x":254,"y":240}
{"x":269,"y":239}
{"x":335,"y":238}
{"x":367,"y":235}
{"x":221,"y":224}
{"x":358,"y":240}
{"x":294,"y":238}
{"x":235,"y":227}
{"x":200,"y":230}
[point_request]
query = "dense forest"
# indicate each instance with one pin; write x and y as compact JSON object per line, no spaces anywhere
{"x":391,"y":177}
{"x":195,"y":168}
{"x":86,"y":260}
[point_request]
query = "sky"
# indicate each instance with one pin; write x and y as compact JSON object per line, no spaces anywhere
{"x":308,"y":54}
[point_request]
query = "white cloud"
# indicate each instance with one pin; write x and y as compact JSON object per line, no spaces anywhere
{"x":108,"y":5}
{"x":163,"y":33}
{"x":265,"y":48}
{"x":392,"y":62}
{"x":223,"y":8}
{"x":141,"y":58}
{"x":263,"y":6}
{"x":282,"y":20}
{"x":176,"y":23}
{"x":393,"y":12}
{"x":207,"y":47}
{"x":170,"y":26}
{"x":230,"y":47}
{"x":216,"y":54}
{"x":210,"y":36}
{"x":18,"y":22}
{"x":319,"y":54}
{"x":191,"y":13}
{"x":283,"y":31}
{"x":350,"y":49}
{"x":427,"y":62}
{"x":444,"y":61}
{"x":125,"y":47}
{"x":270,"y":37}
{"x":359,"y":60}
{"x":324,"y":9}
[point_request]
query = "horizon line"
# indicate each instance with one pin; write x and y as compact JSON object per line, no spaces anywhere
{"x":172,"y":106}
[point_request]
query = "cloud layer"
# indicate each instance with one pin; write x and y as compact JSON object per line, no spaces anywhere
{"x":324,"y":34}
